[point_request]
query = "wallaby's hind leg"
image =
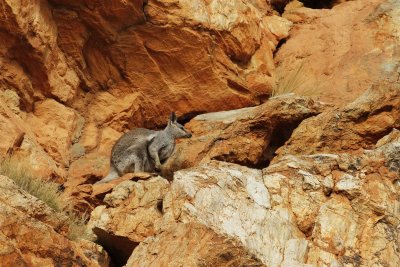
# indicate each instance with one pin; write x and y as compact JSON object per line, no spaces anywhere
{"x":132,"y":163}
{"x":112,"y":175}
{"x":139,"y":165}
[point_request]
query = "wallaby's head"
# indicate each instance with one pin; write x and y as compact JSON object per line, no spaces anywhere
{"x":177,"y":129}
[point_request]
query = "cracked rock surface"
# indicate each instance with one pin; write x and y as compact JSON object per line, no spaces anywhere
{"x":313,"y":210}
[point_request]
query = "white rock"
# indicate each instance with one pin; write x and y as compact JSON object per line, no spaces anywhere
{"x":328,"y":184}
{"x":296,"y":250}
{"x":235,"y":202}
{"x":310,"y":182}
{"x":349,"y":184}
{"x":273,"y":182}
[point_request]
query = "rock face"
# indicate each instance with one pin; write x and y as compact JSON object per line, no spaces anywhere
{"x":20,"y":141}
{"x":156,"y":56}
{"x":128,"y":216}
{"x":357,"y":126}
{"x":32,"y":234}
{"x":240,"y":206}
{"x":192,"y":245}
{"x":340,"y":52}
{"x":321,"y":209}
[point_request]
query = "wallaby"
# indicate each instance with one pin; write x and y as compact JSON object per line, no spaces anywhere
{"x":144,"y":150}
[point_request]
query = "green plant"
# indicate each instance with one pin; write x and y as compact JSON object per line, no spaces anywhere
{"x":48,"y":192}
{"x":296,"y":81}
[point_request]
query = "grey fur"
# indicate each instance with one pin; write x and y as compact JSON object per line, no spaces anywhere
{"x":144,"y":150}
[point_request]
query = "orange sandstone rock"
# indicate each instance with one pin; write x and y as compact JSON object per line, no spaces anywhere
{"x":32,"y":234}
{"x":342,"y":51}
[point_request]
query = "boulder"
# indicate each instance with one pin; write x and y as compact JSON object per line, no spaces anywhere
{"x":33,"y":234}
{"x":191,"y":244}
{"x":20,"y":143}
{"x":357,"y":126}
{"x":129,"y":214}
{"x":131,"y":208}
{"x":233,"y":201}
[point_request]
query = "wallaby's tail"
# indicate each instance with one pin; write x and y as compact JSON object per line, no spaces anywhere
{"x":112,"y":175}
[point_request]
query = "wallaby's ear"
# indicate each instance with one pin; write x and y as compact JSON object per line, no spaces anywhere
{"x":172,"y":117}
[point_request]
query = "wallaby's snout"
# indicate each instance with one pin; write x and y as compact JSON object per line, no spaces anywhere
{"x":180,"y":131}
{"x":187,"y":133}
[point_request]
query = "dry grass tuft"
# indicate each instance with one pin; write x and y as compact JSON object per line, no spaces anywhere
{"x":48,"y":192}
{"x":296,"y":81}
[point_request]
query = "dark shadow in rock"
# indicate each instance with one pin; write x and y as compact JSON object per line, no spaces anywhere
{"x":319,"y":4}
{"x":280,"y":43}
{"x":279,"y":136}
{"x":119,"y":248}
{"x":185,"y":118}
{"x":279,"y":5}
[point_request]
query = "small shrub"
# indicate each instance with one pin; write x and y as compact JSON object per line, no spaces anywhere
{"x":296,"y":81}
{"x":48,"y":192}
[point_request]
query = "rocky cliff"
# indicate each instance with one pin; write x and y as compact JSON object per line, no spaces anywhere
{"x":306,"y":178}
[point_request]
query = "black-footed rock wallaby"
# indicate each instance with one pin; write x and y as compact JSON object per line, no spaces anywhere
{"x":144,"y":150}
